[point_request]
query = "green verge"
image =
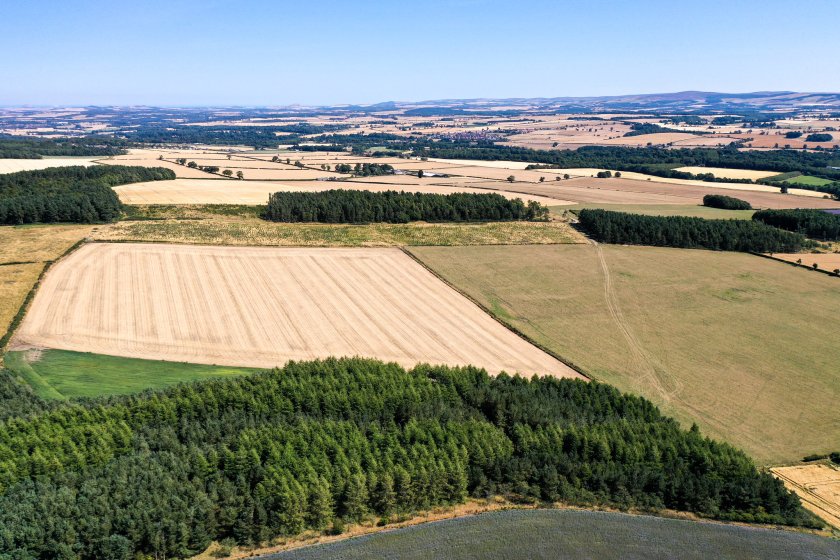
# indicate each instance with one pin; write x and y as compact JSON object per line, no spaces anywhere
{"x":62,"y":374}
{"x":809,"y":180}
{"x":688,"y":210}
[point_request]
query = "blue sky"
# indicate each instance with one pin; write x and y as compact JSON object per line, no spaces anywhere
{"x":224,"y":52}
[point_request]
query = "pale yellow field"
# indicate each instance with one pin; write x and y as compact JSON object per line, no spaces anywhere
{"x":40,"y":242}
{"x":655,"y":139}
{"x":15,"y":282}
{"x":483,"y":163}
{"x":14,"y":165}
{"x":264,"y":306}
{"x":818,"y":486}
{"x":221,"y":191}
{"x":725,"y":173}
{"x":715,"y":185}
{"x":825,"y":261}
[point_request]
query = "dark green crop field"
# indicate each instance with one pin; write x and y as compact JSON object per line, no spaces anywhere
{"x":555,"y":534}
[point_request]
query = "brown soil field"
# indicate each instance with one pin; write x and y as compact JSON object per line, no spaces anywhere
{"x":588,"y":190}
{"x":655,"y":139}
{"x":14,"y":165}
{"x":825,"y":261}
{"x":818,"y":486}
{"x":261,"y":307}
{"x":222,"y":191}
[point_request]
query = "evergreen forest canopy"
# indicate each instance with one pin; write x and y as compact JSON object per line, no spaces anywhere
{"x":317,"y":444}
{"x":69,"y":194}
{"x":29,"y":148}
{"x":689,"y":233}
{"x":351,"y":206}
{"x":812,"y":223}
{"x":725,"y":202}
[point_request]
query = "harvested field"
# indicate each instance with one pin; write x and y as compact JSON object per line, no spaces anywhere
{"x":681,"y":327}
{"x":262,"y":307}
{"x":825,"y":261}
{"x":818,"y":486}
{"x":39,"y":243}
{"x":726,"y":173}
{"x":181,"y":171}
{"x":15,"y":282}
{"x":483,"y":163}
{"x":223,"y":191}
{"x":14,"y":165}
{"x":586,"y":190}
{"x":655,"y":139}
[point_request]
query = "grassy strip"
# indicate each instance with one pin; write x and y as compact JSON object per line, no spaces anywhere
{"x":17,"y":363}
{"x":67,"y":374}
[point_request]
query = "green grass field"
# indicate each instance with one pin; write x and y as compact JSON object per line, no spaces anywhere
{"x":60,"y":374}
{"x":691,"y":210}
{"x":808,"y":180}
{"x":553,"y":534}
{"x":744,"y":346}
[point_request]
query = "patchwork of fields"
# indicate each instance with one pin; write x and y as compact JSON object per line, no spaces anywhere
{"x":261,"y":307}
{"x":743,"y":346}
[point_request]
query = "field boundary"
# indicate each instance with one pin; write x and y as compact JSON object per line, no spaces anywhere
{"x":797,"y":265}
{"x":487,"y":311}
{"x":24,"y":307}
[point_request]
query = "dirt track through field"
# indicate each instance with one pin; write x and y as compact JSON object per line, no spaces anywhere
{"x":264,"y":306}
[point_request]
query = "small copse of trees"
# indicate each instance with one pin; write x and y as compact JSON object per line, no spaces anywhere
{"x":725,"y":202}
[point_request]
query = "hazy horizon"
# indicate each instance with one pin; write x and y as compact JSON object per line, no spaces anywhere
{"x":220,"y":53}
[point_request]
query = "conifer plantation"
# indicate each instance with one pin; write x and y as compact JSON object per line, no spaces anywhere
{"x":69,"y":194}
{"x":315,"y":445}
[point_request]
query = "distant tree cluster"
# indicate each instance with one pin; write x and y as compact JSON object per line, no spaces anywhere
{"x":365,"y":169}
{"x":69,"y":194}
{"x":318,"y":444}
{"x":793,"y":134}
{"x":818,"y":137}
{"x":689,"y":233}
{"x":725,"y":202}
{"x":815,"y":224}
{"x":352,"y":206}
{"x":32,"y":148}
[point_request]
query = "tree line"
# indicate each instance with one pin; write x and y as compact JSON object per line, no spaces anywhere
{"x":32,"y":148}
{"x":689,"y":233}
{"x":69,"y":194}
{"x":352,"y":206}
{"x":815,"y":224}
{"x":318,"y":444}
{"x":725,"y":202}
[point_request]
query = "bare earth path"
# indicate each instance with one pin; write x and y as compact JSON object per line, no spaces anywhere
{"x":264,"y":306}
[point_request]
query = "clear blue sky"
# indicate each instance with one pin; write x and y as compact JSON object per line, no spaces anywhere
{"x":214,"y":52}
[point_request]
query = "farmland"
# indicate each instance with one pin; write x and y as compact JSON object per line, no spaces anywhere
{"x":680,"y":327}
{"x":219,"y":225}
{"x":550,"y":534}
{"x":818,"y":486}
{"x":15,"y":165}
{"x":24,"y":251}
{"x":217,"y":305}
{"x":59,"y":374}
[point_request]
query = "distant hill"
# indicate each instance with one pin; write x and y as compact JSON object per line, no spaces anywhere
{"x":688,"y":101}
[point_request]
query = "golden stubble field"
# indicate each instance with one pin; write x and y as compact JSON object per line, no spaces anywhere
{"x":261,"y":307}
{"x":744,"y":346}
{"x":817,"y":485}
